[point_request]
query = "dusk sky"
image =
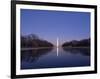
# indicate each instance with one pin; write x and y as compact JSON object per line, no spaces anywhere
{"x":49,"y":25}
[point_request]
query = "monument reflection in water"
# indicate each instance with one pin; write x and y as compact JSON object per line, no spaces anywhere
{"x":50,"y":58}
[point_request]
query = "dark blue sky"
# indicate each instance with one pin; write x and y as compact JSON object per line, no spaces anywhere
{"x":49,"y":25}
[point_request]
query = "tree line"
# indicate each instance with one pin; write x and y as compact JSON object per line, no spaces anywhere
{"x":75,"y":43}
{"x":34,"y":41}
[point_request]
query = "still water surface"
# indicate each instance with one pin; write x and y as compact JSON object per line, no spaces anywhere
{"x":54,"y":58}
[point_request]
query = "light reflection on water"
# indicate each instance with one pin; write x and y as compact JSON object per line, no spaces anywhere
{"x":50,"y":58}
